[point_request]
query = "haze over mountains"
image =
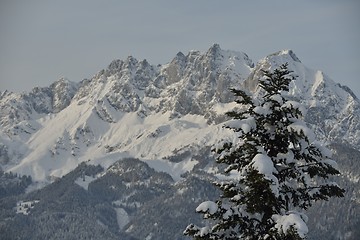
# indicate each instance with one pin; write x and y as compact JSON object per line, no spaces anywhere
{"x":163,"y":120}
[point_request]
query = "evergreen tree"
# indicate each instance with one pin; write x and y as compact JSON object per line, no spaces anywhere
{"x":279,"y":168}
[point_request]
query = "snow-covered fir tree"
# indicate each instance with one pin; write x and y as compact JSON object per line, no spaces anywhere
{"x":280,"y":169}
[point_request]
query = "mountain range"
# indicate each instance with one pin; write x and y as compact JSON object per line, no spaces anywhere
{"x":127,"y":153}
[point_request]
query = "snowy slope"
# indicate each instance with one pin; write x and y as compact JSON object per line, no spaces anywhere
{"x":163,"y":115}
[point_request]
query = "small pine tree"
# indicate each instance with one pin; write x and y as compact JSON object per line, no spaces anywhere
{"x":281,"y":170}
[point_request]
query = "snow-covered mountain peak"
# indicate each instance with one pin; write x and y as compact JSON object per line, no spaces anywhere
{"x":283,"y":56}
{"x":214,"y":50}
{"x":227,"y":58}
{"x":115,"y":66}
{"x":62,"y":91}
{"x":276,"y":59}
{"x":18,"y":107}
{"x":180,"y":57}
{"x":131,"y":62}
{"x":327,"y":102}
{"x":62,"y":80}
{"x":287,"y":53}
{"x":271,"y":62}
{"x":179,"y":60}
{"x":131,"y":105}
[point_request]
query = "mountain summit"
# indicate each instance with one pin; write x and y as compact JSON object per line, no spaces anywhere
{"x":45,"y":133}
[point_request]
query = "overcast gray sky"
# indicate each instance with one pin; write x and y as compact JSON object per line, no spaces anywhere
{"x":41,"y":40}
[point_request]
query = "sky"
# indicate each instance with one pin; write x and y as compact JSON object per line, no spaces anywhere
{"x":42,"y":41}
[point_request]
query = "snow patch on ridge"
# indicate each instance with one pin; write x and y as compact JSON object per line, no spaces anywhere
{"x":84,"y":181}
{"x":122,"y":217}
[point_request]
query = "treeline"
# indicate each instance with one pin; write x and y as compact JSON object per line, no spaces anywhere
{"x":12,"y":184}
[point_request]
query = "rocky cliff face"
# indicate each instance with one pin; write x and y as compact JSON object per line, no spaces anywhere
{"x":189,"y":84}
{"x":168,"y":116}
{"x":18,"y":107}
